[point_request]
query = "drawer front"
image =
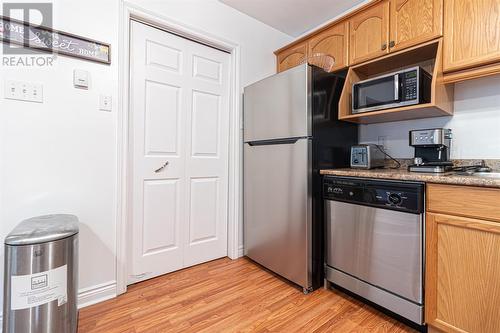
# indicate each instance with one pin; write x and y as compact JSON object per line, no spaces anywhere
{"x":476,"y":202}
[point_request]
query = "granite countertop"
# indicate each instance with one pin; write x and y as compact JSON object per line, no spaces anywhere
{"x":404,"y":174}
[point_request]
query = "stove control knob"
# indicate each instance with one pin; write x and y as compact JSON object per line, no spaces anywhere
{"x":394,"y":199}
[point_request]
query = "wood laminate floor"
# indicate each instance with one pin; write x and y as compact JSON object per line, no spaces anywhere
{"x":231,"y":296}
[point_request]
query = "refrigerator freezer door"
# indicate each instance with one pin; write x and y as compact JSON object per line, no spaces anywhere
{"x":279,"y":106}
{"x":277,"y":208}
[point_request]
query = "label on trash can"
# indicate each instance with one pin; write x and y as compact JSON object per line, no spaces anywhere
{"x":32,"y":290}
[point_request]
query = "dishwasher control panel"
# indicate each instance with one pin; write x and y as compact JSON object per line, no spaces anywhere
{"x":404,"y":196}
{"x":343,"y":189}
{"x":392,"y":197}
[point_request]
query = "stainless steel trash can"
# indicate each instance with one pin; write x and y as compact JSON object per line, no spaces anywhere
{"x":41,"y":274}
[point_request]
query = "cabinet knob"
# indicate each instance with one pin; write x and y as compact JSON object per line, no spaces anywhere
{"x":392,"y":43}
{"x":384,"y":46}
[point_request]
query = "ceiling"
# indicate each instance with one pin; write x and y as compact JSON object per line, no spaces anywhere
{"x":293,"y":17}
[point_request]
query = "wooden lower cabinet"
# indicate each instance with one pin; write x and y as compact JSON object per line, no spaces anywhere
{"x":462,"y":292}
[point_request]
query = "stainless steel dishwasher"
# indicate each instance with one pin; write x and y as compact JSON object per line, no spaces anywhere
{"x":375,"y":241}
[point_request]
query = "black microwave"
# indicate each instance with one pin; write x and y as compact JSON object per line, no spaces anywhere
{"x":406,"y":87}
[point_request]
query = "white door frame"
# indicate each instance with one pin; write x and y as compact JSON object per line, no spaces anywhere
{"x":130,"y":11}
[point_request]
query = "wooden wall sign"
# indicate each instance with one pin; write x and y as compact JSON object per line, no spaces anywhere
{"x":50,"y":40}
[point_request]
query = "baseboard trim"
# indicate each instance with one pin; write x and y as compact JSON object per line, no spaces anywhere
{"x":96,"y":294}
{"x":89,"y":296}
{"x":241,"y":251}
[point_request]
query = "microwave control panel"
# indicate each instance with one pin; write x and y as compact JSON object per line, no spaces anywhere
{"x":410,"y":85}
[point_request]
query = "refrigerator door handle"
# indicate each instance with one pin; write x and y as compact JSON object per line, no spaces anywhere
{"x":287,"y":141}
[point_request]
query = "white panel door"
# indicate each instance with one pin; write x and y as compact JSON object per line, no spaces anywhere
{"x":179,"y":142}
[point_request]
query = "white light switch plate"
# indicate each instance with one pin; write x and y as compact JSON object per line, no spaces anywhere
{"x":81,"y":79}
{"x":23,"y":91}
{"x":105,"y":103}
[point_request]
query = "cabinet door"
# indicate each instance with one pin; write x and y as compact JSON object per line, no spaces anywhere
{"x":414,"y":22}
{"x":471,"y":33}
{"x":462,"y":274}
{"x":369,"y":33}
{"x":332,"y":42}
{"x":292,"y":56}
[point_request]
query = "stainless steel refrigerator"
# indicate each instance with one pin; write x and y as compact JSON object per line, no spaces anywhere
{"x":291,"y":131}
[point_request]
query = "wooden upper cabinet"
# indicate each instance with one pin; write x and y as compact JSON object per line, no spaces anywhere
{"x":332,"y":42}
{"x":369,"y":33}
{"x":469,"y":29}
{"x":292,"y":56}
{"x":471,"y":33}
{"x":414,"y":22}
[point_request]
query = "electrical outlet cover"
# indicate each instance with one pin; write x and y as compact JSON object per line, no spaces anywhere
{"x":105,"y":103}
{"x":382,"y":141}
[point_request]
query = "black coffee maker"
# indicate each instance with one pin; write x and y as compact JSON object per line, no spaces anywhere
{"x":432,"y":150}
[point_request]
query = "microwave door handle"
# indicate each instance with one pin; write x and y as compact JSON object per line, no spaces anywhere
{"x":396,"y":87}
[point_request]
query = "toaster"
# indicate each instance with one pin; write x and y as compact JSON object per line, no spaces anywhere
{"x":367,"y":156}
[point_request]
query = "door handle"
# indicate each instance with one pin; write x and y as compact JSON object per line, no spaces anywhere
{"x":392,"y":44}
{"x":162,"y":167}
{"x":396,"y":87}
{"x":384,"y":46}
{"x":287,"y":141}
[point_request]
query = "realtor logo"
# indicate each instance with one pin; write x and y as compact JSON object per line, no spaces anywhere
{"x":39,"y":282}
{"x":18,"y":36}
{"x":37,"y":14}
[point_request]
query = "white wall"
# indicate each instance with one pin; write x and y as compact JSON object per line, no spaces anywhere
{"x":60,"y":156}
{"x":475,"y":124}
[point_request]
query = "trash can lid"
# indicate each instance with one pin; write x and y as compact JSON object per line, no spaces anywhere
{"x":42,"y":229}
